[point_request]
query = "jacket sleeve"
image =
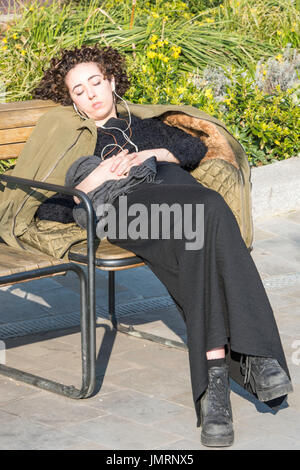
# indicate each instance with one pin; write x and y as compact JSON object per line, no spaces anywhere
{"x":187,"y":149}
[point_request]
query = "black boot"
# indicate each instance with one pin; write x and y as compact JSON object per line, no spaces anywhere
{"x":266,"y":378}
{"x":216,"y":413}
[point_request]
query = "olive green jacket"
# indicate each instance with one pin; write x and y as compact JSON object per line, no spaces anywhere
{"x":59,"y":138}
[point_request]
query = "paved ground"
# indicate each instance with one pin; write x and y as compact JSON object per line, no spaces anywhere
{"x":143,"y":398}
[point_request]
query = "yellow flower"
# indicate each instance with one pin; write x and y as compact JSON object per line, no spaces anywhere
{"x":181,"y":89}
{"x":279,"y":33}
{"x":165,"y":59}
{"x":208,"y":93}
{"x":154,"y":14}
{"x":264,"y":72}
{"x":4,"y":40}
{"x":160,"y":43}
{"x":160,"y":56}
{"x":15,"y":36}
{"x":151,"y":54}
{"x":176,"y":49}
{"x":153,"y":46}
{"x":277,"y":142}
{"x":154,"y":38}
{"x":23,"y":52}
{"x":222,"y":6}
{"x":166,"y":41}
{"x":210,"y":20}
{"x":4,"y":48}
{"x":176,"y":55}
{"x":279,"y":57}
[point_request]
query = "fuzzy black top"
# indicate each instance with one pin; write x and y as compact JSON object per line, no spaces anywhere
{"x":148,"y":134}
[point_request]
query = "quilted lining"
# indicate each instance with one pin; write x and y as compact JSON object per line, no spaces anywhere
{"x":53,"y":238}
{"x":221,"y":176}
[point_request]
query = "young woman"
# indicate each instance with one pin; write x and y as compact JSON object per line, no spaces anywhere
{"x":216,"y":287}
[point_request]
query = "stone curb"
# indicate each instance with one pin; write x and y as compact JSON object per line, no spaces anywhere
{"x":275,"y":188}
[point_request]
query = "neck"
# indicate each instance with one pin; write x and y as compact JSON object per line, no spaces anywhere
{"x":101,"y":122}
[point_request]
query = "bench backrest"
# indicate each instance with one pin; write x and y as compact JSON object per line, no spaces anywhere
{"x":17,"y":121}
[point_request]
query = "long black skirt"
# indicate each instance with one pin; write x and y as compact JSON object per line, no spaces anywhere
{"x":216,"y":288}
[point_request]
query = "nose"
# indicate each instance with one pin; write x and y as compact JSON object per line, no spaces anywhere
{"x":90,"y":92}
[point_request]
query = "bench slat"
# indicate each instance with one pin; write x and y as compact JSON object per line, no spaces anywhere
{"x":14,"y":261}
{"x":25,"y":105}
{"x":10,"y":150}
{"x":26,"y":117}
{"x":13,"y":136}
{"x":105,"y":253}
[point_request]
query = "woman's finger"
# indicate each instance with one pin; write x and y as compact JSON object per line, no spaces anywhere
{"x":117,"y":159}
{"x":124,"y":163}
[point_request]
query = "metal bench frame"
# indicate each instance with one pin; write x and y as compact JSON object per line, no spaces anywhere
{"x":87,"y":298}
{"x":87,"y":302}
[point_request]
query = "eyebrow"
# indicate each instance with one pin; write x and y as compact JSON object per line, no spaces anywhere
{"x":80,"y":84}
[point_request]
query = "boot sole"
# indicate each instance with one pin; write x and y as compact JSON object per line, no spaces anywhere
{"x":271,"y":393}
{"x":220,"y":441}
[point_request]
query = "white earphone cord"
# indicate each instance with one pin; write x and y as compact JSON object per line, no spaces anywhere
{"x":84,"y":116}
{"x":123,"y":132}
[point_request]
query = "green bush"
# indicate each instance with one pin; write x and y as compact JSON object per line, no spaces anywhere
{"x":267,"y":125}
{"x":179,"y":52}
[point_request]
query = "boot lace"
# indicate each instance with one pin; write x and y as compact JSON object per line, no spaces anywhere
{"x":218,"y":395}
{"x":260,"y":362}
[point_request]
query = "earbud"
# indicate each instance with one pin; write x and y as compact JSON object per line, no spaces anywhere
{"x":113,"y":86}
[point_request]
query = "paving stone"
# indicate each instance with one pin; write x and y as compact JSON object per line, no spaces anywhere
{"x":53,"y":410}
{"x":17,"y":433}
{"x":12,"y":391}
{"x":139,"y":407}
{"x":184,"y":444}
{"x":270,"y":263}
{"x":287,"y":249}
{"x":282,"y":227}
{"x":116,"y":432}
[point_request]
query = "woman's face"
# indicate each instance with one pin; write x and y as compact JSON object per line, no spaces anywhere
{"x":90,"y":92}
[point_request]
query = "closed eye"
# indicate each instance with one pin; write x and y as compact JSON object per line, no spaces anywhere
{"x":94,"y":84}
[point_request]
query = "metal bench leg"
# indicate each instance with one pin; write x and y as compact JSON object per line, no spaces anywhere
{"x":88,"y":342}
{"x":129,"y":330}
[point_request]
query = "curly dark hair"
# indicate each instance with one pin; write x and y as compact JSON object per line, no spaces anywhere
{"x":110,"y":62}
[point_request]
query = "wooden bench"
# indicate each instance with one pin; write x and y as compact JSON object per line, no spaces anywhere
{"x":17,"y":121}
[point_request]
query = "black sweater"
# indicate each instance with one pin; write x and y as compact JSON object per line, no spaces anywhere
{"x":148,"y":134}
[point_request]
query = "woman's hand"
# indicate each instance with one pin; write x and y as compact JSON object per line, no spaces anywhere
{"x":116,"y":167}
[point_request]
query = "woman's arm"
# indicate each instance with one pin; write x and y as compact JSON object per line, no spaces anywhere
{"x":119,"y":165}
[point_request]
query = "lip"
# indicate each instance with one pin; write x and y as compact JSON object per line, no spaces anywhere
{"x":97,"y":105}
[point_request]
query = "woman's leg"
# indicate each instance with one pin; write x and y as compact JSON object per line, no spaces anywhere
{"x":217,"y":288}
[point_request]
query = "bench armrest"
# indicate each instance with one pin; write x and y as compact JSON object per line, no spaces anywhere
{"x":73,"y":192}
